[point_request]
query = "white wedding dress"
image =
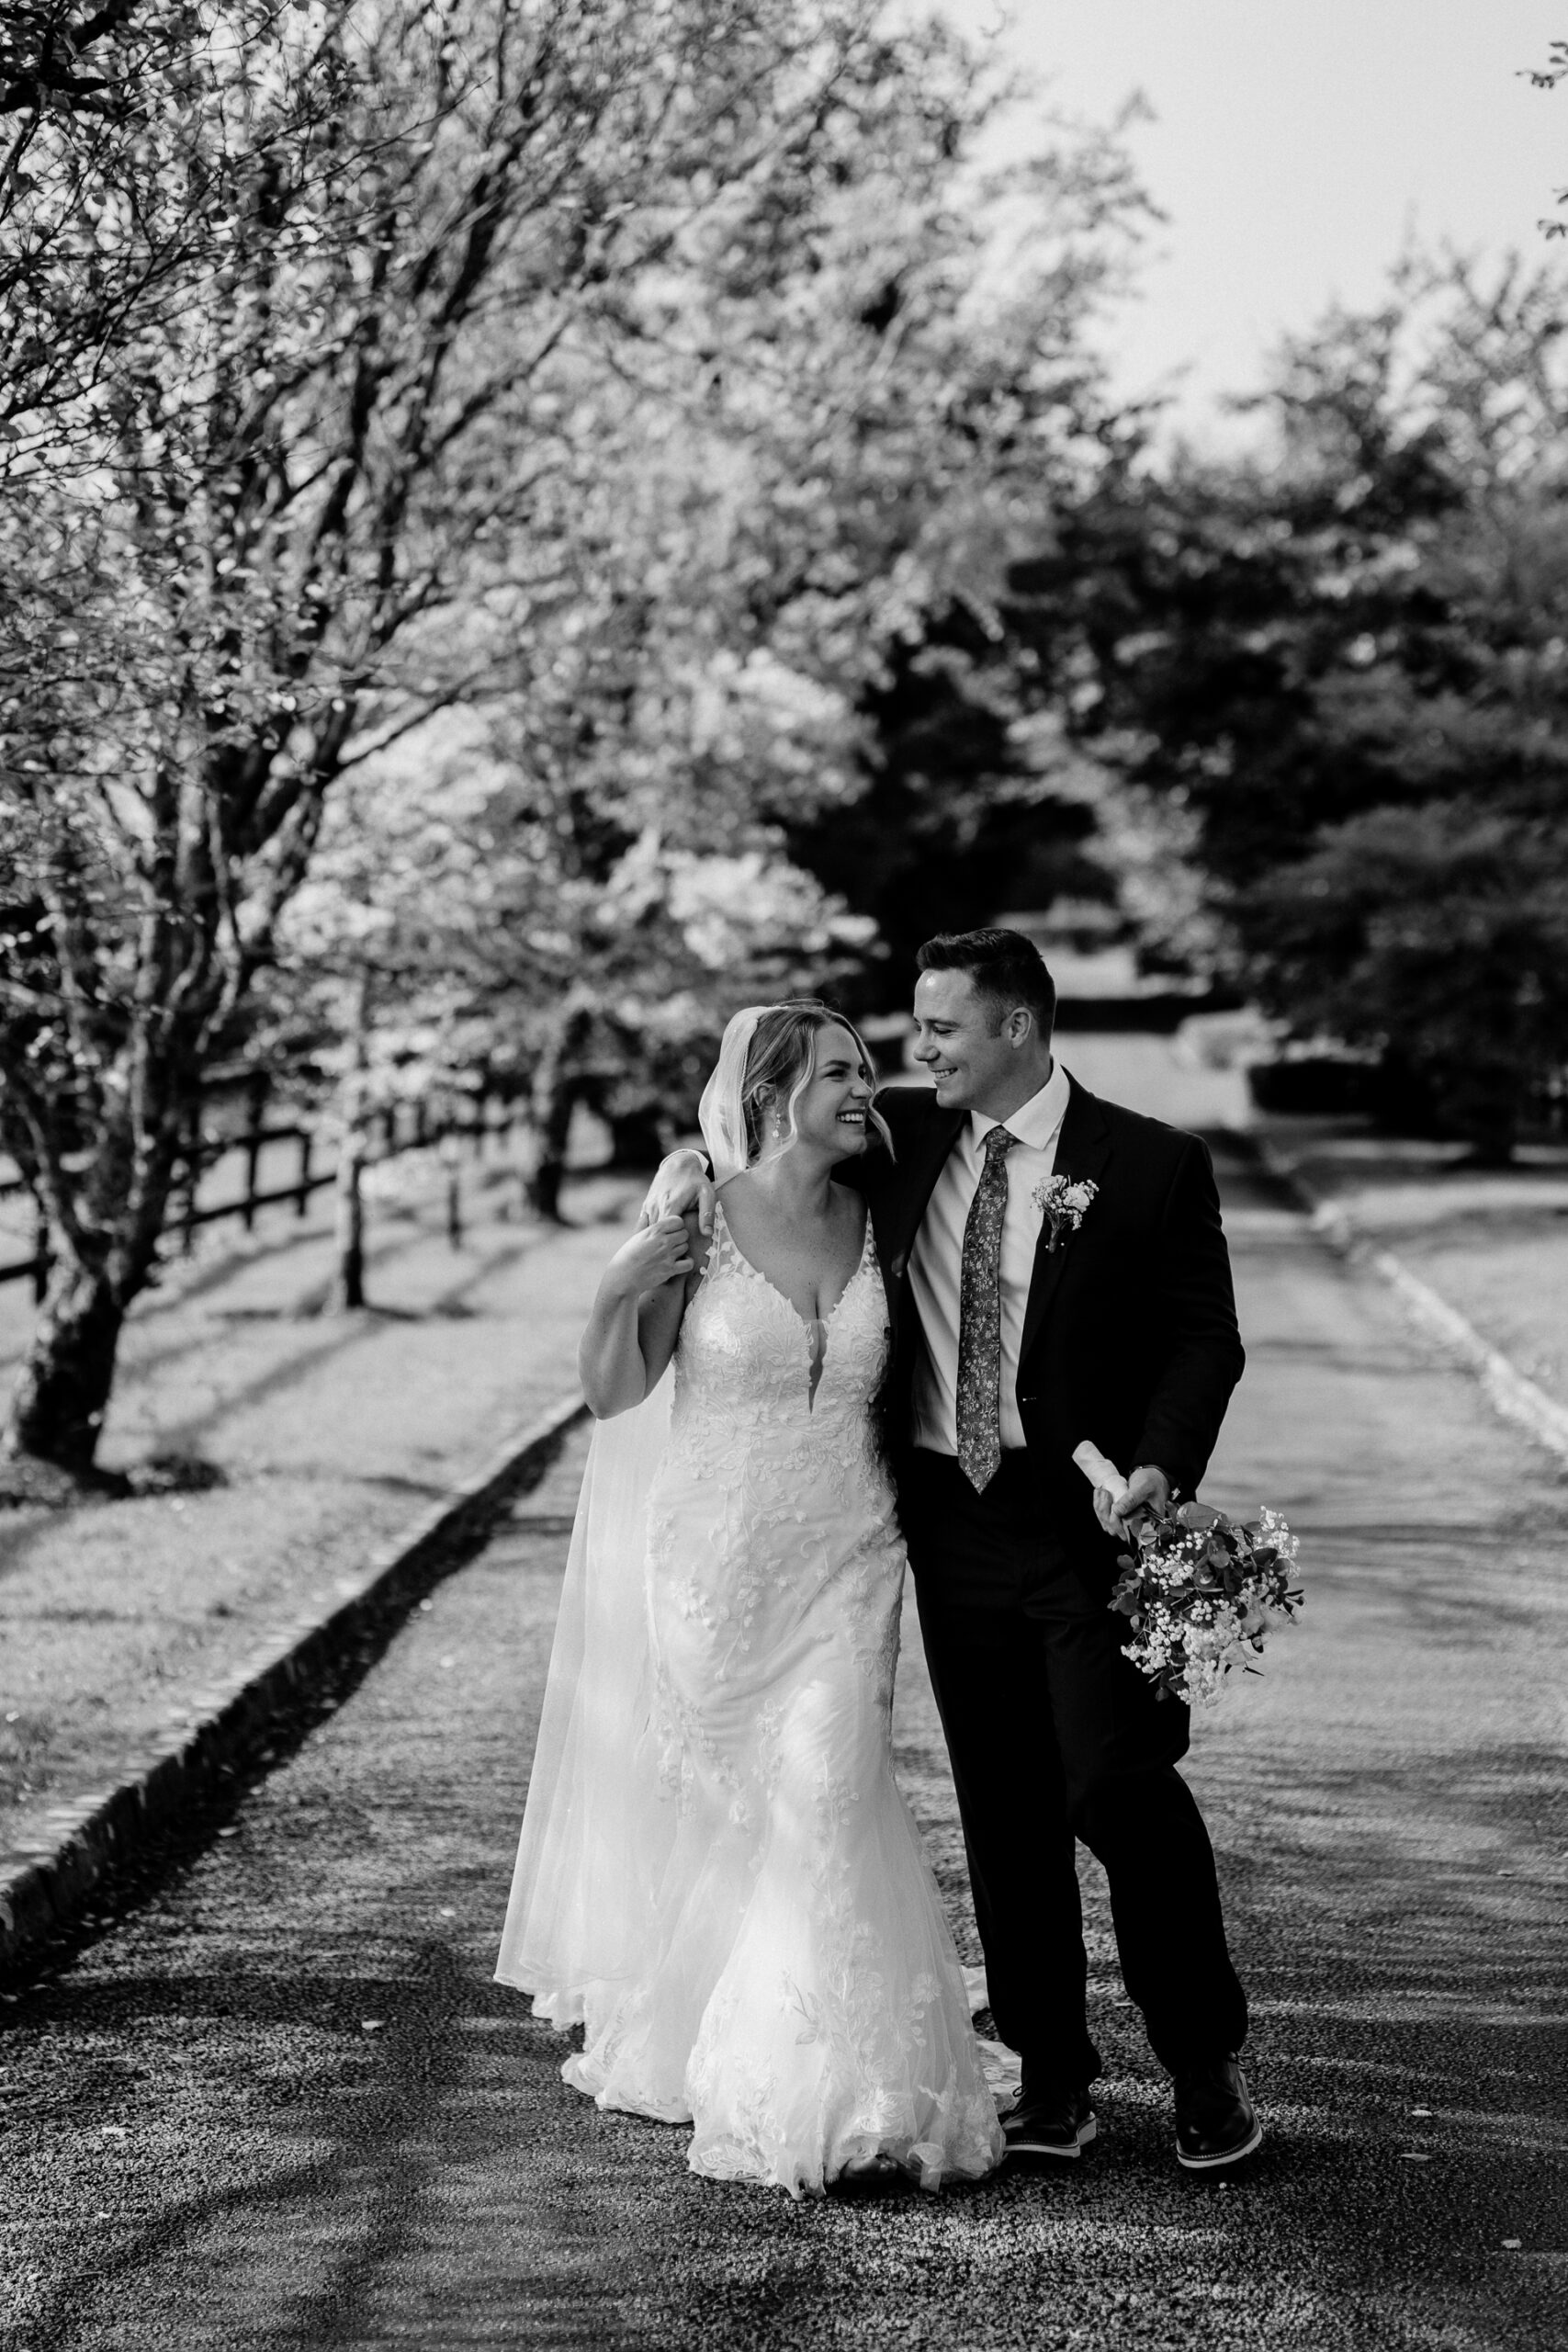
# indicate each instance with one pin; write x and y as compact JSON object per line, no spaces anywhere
{"x":784,"y":1976}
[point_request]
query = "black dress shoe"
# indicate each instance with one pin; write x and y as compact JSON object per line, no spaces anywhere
{"x":874,"y":2176}
{"x":1049,"y":2124}
{"x":1214,"y":2121}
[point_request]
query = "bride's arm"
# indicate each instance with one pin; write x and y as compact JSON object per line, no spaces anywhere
{"x":635,"y":1318}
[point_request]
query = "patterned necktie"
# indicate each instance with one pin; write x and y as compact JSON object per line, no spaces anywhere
{"x":980,"y":1318}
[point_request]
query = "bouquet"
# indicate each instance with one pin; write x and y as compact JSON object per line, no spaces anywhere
{"x":1203,"y":1591}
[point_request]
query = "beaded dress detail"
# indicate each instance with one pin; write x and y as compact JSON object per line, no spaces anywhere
{"x":800,"y":1999}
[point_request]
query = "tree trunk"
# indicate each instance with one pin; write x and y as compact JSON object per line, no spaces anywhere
{"x":122,"y":1201}
{"x":557,"y":1086}
{"x":544,"y":1182}
{"x":63,"y":1390}
{"x":637,"y":1140}
{"x":1481,"y":1102}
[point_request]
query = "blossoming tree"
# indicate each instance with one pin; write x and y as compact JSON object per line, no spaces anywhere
{"x":317,"y":471}
{"x":340,"y":320}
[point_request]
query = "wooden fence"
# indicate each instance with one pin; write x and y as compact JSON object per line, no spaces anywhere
{"x":394,"y":1128}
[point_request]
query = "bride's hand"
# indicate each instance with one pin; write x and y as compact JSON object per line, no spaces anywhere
{"x":656,"y":1254}
{"x":681,"y":1182}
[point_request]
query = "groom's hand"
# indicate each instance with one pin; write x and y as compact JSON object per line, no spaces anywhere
{"x":680,"y":1183}
{"x":1147,"y":1488}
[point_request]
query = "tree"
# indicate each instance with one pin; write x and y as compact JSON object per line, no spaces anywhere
{"x":1547,"y":77}
{"x":306,"y":496}
{"x":91,"y":105}
{"x":1340,"y":664}
{"x":477,"y":910}
{"x":816,"y":428}
{"x":966,"y":806}
{"x":335,"y":317}
{"x":960,"y":820}
{"x":1443,"y":931}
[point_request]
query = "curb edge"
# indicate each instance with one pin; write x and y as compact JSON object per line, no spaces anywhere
{"x":43,"y":1895}
{"x":1512,"y":1395}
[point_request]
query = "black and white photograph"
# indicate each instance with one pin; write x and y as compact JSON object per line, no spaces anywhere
{"x":784,"y":1176}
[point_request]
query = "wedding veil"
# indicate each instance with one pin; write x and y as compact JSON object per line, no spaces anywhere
{"x":721,"y":1114}
{"x":599,"y":1822}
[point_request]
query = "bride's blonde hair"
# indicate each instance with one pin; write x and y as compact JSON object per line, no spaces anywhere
{"x":780,"y":1060}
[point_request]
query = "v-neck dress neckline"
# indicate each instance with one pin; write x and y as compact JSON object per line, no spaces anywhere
{"x":815,"y":1327}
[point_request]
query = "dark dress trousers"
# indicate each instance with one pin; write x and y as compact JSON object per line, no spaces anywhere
{"x":1130,"y":1339}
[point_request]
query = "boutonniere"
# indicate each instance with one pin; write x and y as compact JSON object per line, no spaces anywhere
{"x":1062,"y":1202}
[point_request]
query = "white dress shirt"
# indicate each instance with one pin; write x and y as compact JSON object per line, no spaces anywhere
{"x":937,"y":1258}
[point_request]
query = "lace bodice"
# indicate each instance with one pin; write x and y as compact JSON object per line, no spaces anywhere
{"x":747,"y":1363}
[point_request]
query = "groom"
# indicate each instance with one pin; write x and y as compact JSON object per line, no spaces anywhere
{"x":1012,"y":1344}
{"x":1016,"y":1336}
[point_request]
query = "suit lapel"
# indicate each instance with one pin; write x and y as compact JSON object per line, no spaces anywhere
{"x":920,"y":1163}
{"x":1082,"y":1150}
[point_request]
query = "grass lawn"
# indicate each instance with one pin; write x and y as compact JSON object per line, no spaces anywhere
{"x":330,"y":1433}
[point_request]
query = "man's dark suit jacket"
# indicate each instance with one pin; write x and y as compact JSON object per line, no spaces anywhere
{"x":1130,"y":1337}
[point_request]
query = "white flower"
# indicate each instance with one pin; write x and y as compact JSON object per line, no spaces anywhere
{"x":1062,"y":1202}
{"x":1204,"y":1601}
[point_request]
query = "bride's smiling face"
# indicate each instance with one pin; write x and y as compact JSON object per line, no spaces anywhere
{"x":830,"y":1111}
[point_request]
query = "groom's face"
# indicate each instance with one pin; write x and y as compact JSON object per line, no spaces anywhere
{"x":960,"y":1041}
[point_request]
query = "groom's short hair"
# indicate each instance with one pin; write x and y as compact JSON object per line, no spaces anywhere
{"x":1006,"y":966}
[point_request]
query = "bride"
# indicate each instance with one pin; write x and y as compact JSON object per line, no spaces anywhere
{"x":717,"y":1875}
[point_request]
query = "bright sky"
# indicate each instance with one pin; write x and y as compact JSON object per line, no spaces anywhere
{"x":1297,"y":144}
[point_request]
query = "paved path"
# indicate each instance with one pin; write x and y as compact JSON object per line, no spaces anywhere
{"x":283,"y":2105}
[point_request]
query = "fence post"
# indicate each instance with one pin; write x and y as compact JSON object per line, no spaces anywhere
{"x":256,"y":1114}
{"x":302,"y":1197}
{"x":451,"y":1154}
{"x":348,"y":1227}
